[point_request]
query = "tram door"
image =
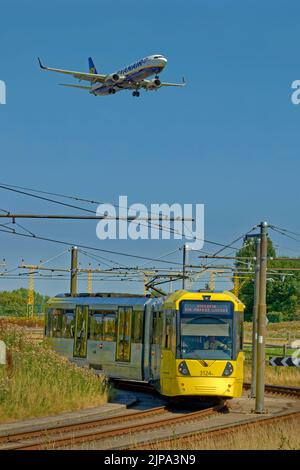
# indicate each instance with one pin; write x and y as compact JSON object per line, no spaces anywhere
{"x":81,"y":331}
{"x":123,"y":346}
{"x":155,"y":342}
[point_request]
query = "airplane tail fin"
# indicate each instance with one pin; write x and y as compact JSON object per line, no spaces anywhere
{"x":92,"y":68}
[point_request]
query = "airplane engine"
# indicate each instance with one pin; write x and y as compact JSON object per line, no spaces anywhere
{"x":153,"y":84}
{"x":113,"y":78}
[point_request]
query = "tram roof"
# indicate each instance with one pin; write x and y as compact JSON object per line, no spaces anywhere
{"x":108,"y":299}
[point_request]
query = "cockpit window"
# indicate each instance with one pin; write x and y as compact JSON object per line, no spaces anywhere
{"x":157,"y":56}
{"x":206,"y":330}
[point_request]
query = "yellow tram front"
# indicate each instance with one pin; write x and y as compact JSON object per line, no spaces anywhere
{"x":203,"y":353}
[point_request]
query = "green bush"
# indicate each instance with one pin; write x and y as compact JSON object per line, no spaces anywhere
{"x":14,"y":303}
{"x":275,"y":317}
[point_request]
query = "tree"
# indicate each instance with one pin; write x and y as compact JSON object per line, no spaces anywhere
{"x":283,"y":291}
{"x":14,"y":303}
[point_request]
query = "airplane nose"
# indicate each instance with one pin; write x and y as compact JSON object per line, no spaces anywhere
{"x":163,"y":61}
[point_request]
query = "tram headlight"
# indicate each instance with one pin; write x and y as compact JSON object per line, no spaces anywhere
{"x":183,"y":368}
{"x":228,"y":369}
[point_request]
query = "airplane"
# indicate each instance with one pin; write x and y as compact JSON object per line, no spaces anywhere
{"x":133,"y":77}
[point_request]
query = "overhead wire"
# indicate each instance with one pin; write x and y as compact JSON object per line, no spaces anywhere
{"x":9,"y":187}
{"x":61,"y":242}
{"x":55,"y":257}
{"x":148,"y":224}
{"x":110,"y":251}
{"x":284,"y":233}
{"x":32,"y":235}
{"x":99,"y":258}
{"x":284,"y":230}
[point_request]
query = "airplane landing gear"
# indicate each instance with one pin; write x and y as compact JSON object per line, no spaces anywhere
{"x":135,"y":93}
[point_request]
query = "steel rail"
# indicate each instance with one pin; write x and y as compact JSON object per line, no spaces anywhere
{"x":48,"y":440}
{"x":55,"y":436}
{"x":216,"y":431}
{"x":278,"y":389}
{"x":88,"y":424}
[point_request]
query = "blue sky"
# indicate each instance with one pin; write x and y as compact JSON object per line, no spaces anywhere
{"x":229,"y":139}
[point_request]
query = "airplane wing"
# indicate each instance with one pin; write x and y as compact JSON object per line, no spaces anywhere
{"x":151,"y":85}
{"x":76,"y":86}
{"x":91,"y":77}
{"x":174,"y":84}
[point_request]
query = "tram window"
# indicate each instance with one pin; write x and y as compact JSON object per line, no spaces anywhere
{"x":96,"y":327}
{"x":68,"y":324}
{"x":56,"y":324}
{"x":157,"y":323}
{"x":206,"y":337}
{"x":168,"y":332}
{"x":137,"y":327}
{"x":109,"y":327}
{"x":60,"y":323}
{"x":242,"y":332}
{"x":48,"y":323}
{"x":239,"y":333}
{"x":173,"y":335}
{"x":154,"y":329}
{"x":102,"y":326}
{"x":123,"y":346}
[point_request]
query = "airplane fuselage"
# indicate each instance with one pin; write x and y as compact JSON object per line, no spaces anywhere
{"x":130,"y":76}
{"x":134,"y":77}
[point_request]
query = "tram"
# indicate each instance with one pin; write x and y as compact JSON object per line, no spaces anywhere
{"x":188,"y":343}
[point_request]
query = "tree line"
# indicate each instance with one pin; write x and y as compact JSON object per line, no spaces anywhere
{"x":283,"y":287}
{"x":14,"y":303}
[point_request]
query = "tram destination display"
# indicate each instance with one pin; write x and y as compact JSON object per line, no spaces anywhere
{"x":219,"y":308}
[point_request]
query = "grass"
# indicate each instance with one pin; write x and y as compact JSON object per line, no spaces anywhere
{"x":278,"y":436}
{"x":288,"y":376}
{"x":276,"y":331}
{"x":38,"y":382}
{"x":270,"y":352}
{"x":32,"y":322}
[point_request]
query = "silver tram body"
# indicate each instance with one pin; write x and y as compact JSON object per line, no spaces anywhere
{"x":144,"y":339}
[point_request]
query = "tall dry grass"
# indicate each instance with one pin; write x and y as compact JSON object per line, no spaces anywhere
{"x":31,"y":322}
{"x":276,"y":330}
{"x":287,"y":376}
{"x":279,"y":436}
{"x":38,"y":382}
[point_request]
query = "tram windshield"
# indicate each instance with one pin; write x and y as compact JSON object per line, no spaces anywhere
{"x":206,"y":330}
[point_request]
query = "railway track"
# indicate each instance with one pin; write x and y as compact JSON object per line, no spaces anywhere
{"x":101,"y":429}
{"x":189,"y":438}
{"x":135,"y":423}
{"x":293,"y":392}
{"x":287,"y":391}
